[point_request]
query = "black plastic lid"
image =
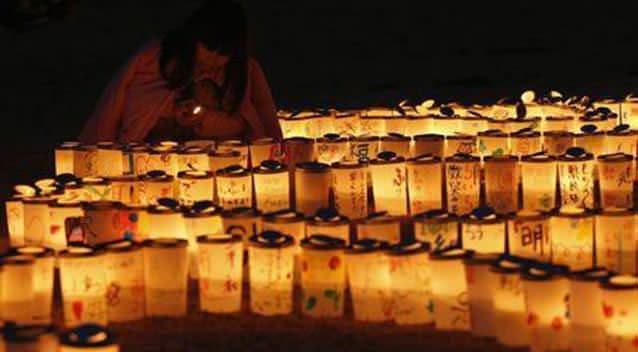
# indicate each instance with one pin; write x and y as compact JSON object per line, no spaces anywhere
{"x":219,"y":238}
{"x":271,"y":239}
{"x":366,"y":245}
{"x":408,"y":248}
{"x":323,"y":242}
{"x":88,"y":336}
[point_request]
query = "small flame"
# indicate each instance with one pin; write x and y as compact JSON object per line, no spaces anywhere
{"x":197,"y":110}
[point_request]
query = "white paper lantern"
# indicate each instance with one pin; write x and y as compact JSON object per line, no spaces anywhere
{"x":432,"y":144}
{"x":465,"y":144}
{"x":558,"y":123}
{"x":510,"y":318}
{"x":463,"y":177}
{"x":364,"y":148}
{"x":572,"y":238}
{"x":493,"y":143}
{"x":126,"y":189}
{"x":193,"y":158}
{"x":89,"y":337}
{"x":95,"y":189}
{"x":139,"y":156}
{"x":350,"y":188}
{"x":294,"y":126}
{"x":437,"y":228}
{"x":529,"y":235}
{"x":43,"y":274}
{"x":372,"y":125}
{"x":419,"y":124}
{"x":221,"y":259}
{"x":331,"y":148}
{"x":29,"y":338}
{"x":585,"y":313}
{"x":525,"y":142}
{"x":265,"y":149}
{"x":538,"y":182}
{"x":18,"y":284}
{"x":271,"y":273}
{"x":480,"y":288}
{"x":425,"y":183}
{"x":483,"y":231}
{"x":312,"y":187}
{"x":380,"y":226}
{"x":64,"y":157}
{"x":245,"y":222}
{"x":236,"y":145}
{"x":396,"y":143}
{"x":165,"y":277}
{"x":616,"y":240}
{"x":14,"y":208}
{"x":617,"y":174}
{"x":389,"y":184}
{"x":194,"y":186}
{"x":164,"y":158}
{"x":201,"y":218}
{"x":556,"y":143}
{"x":109,"y":159}
{"x":272,"y":186}
{"x":396,"y":124}
{"x":218,"y":160}
{"x":85,"y":161}
{"x":449,"y":290}
{"x":36,"y":220}
{"x":234,"y":187}
{"x":501,"y":183}
{"x":320,"y":124}
{"x":166,"y":221}
{"x":156,"y":185}
{"x":576,"y":175}
{"x":473,"y":125}
{"x":513,"y":125}
{"x":125,"y":281}
{"x":410,"y":283}
{"x":591,"y":139}
{"x":621,"y":140}
{"x":83,"y":282}
{"x":330,"y":223}
{"x":347,"y":123}
{"x":297,"y":150}
{"x":446,"y":125}
{"x":102,"y":222}
{"x":620,"y":309}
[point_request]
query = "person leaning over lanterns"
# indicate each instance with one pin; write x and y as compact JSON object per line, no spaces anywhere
{"x":197,"y":82}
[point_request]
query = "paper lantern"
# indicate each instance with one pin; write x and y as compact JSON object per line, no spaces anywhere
{"x":320,"y":124}
{"x":525,"y":142}
{"x":83,"y":283}
{"x":74,"y":190}
{"x":236,"y":145}
{"x":538,"y":182}
{"x":483,"y":231}
{"x":265,"y":149}
{"x":437,"y":228}
{"x":503,"y":110}
{"x":529,"y":235}
{"x":620,"y":309}
{"x":43,"y":274}
{"x":446,"y":125}
{"x":125,"y":281}
{"x":165,"y":277}
{"x":101,"y":221}
{"x":323,"y":276}
{"x":617,"y":174}
{"x":109,"y":159}
{"x":350,"y":188}
{"x":368,"y":273}
{"x":27,"y":338}
{"x":558,"y":123}
{"x":576,"y":175}
{"x":331,"y":148}
{"x":463,"y":177}
{"x":364,"y":148}
{"x":271,"y":273}
{"x":425,"y":183}
{"x":85,"y":161}
{"x":601,"y":122}
{"x":347,"y":123}
{"x":219,"y":160}
{"x":380,"y":226}
{"x":410,"y":283}
{"x":192,"y":158}
{"x":88,"y":337}
{"x":166,"y":221}
{"x":126,"y":189}
{"x":297,"y":150}
{"x":135,"y":223}
{"x":14,"y":211}
{"x":18,"y":284}
{"x":59,"y":212}
{"x":396,"y":125}
{"x":163,"y":158}
{"x":616,"y":240}
{"x":221,"y":259}
{"x":546,"y":291}
{"x":194,"y":186}
{"x":139,"y":156}
{"x":234,"y":186}
{"x":460,"y":144}
{"x":496,"y":124}
{"x":621,"y":140}
{"x":329,"y":222}
{"x":372,"y":125}
{"x":572,"y":238}
{"x":556,"y":143}
{"x":245,"y":222}
{"x":200,"y":219}
{"x":294,"y":126}
{"x":585,"y":313}
{"x":432,"y":144}
{"x":508,"y":299}
{"x":513,"y":125}
{"x":396,"y":143}
{"x":156,"y":185}
{"x":493,"y":142}
{"x":64,"y":157}
{"x":627,"y":107}
{"x":501,"y":183}
{"x":472,"y":125}
{"x":36,"y":220}
{"x":449,"y":290}
{"x":480,"y":288}
{"x":419,"y":124}
{"x":96,"y":189}
{"x":272,"y":186}
{"x":312,"y":187}
{"x":287,"y":222}
{"x":389,"y":184}
{"x":591,"y":139}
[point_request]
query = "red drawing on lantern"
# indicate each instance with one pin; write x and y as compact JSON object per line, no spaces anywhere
{"x":608,"y":310}
{"x":334,"y":263}
{"x":304,"y":266}
{"x":469,"y":275}
{"x":394,"y":265}
{"x":532,"y":319}
{"x":77,"y":308}
{"x":557,"y":323}
{"x":231,"y":258}
{"x":634,"y":342}
{"x":113,"y":294}
{"x":55,"y":229}
{"x":230,"y":285}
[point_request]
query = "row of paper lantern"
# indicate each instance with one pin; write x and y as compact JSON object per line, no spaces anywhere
{"x":45,"y":338}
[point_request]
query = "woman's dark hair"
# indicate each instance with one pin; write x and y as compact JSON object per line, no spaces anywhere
{"x":219,"y":25}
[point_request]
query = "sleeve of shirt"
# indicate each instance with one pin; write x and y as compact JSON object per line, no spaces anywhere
{"x":263,"y":101}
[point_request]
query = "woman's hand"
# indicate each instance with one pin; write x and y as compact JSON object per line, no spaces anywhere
{"x":188,"y":113}
{"x":217,"y":123}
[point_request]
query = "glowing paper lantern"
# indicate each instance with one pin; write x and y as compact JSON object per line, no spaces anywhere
{"x":410,"y":284}
{"x":89,"y":337}
{"x":271,"y":273}
{"x":18,"y":338}
{"x":192,"y":158}
{"x":202,"y":218}
{"x":529,"y":235}
{"x":312,"y":187}
{"x":323,"y":276}
{"x":138,"y":159}
{"x":621,"y":140}
{"x":164,"y":158}
{"x":109,"y":159}
{"x":616,"y":240}
{"x":508,"y":299}
{"x":84,"y":161}
{"x":126,"y":189}
{"x":389,"y":184}
{"x":496,"y":124}
{"x":432,"y":144}
{"x":221,"y":260}
{"x":493,"y":142}
{"x":165,"y":276}
{"x":18,"y":283}
{"x":460,"y":144}
{"x":369,"y":281}
{"x":601,"y":122}
{"x":437,"y":228}
{"x":272,"y":186}
{"x":463,"y":177}
{"x":556,"y":143}
{"x":96,"y":189}
{"x":194,"y":186}
{"x":156,"y":185}
{"x":102,"y":222}
{"x":265,"y":149}
{"x":331,"y":148}
{"x":286,"y":221}
{"x":591,"y":139}
{"x":372,"y":125}
{"x":347,"y":123}
{"x":350,"y":188}
{"x":572,"y":238}
{"x":617,"y":174}
{"x":125,"y":281}
{"x":64,"y":157}
{"x":513,"y":125}
{"x":380,"y":226}
{"x":538,"y":182}
{"x":396,"y":125}
{"x":14,"y":208}
{"x":449,"y":290}
{"x":585,"y":313}
{"x":43,"y":274}
{"x":558,"y":123}
{"x":236,"y":145}
{"x":294,"y":126}
{"x":135,"y":222}
{"x":501,"y":183}
{"x":329,"y":222}
{"x":36,"y":220}
{"x":620,"y":309}
{"x":320,"y":124}
{"x":418,"y":124}
{"x":364,"y":148}
{"x":425,"y":183}
{"x":83,"y":282}
{"x":525,"y":142}
{"x":576,"y":175}
{"x":396,"y":143}
{"x":166,"y":221}
{"x":446,"y":125}
{"x":547,"y":296}
{"x":234,"y":187}
{"x":483,"y":231}
{"x":297,"y":150}
{"x":472,"y":125}
{"x":480,"y":287}
{"x":218,"y":160}
{"x":245,"y":222}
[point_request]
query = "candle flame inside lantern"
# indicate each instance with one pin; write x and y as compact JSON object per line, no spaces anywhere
{"x":197,"y":110}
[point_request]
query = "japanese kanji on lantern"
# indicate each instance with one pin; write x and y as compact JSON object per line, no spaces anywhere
{"x":272,"y":186}
{"x":369,"y":281}
{"x":587,"y":320}
{"x":234,"y":187}
{"x":437,"y":228}
{"x":125,"y":291}
{"x":220,"y":260}
{"x":83,"y":282}
{"x":64,"y":157}
{"x":331,"y":148}
{"x":529,"y":235}
{"x":576,"y":175}
{"x":389,"y":184}
{"x":463,"y":178}
{"x":621,"y":139}
{"x":616,"y":240}
{"x":480,"y":288}
{"x":449,"y":290}
{"x":126,"y":189}
{"x":192,"y":159}
{"x":556,"y":143}
{"x":43,"y":277}
{"x":323,"y":276}
{"x":510,"y":318}
{"x":18,"y":282}
{"x":350,"y":188}
{"x":155,"y":185}
{"x":373,"y":121}
{"x":538,"y":182}
{"x":525,"y":142}
{"x":483,"y":231}
{"x":87,"y":337}
{"x":425,"y":183}
{"x":501,"y":183}
{"x":546,"y":289}
{"x":165,"y":276}
{"x":364,"y":148}
{"x":312,"y":187}
{"x":617,"y":174}
{"x":271,"y":263}
{"x":620,"y":309}
{"x":410,"y":283}
{"x":380,"y":226}
{"x":95,"y":189}
{"x":109,"y":159}
{"x":194,"y":185}
{"x":429,"y":144}
{"x":572,"y":238}
{"x":84,"y":160}
{"x":460,"y":144}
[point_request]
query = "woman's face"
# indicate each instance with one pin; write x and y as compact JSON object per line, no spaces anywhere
{"x":210,"y":58}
